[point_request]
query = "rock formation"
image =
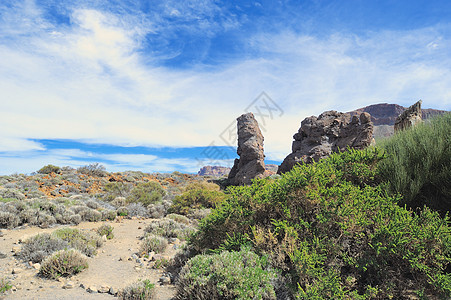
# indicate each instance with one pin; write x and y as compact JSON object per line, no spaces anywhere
{"x":409,"y":118}
{"x":250,"y":149}
{"x":215,"y":171}
{"x":330,"y":132}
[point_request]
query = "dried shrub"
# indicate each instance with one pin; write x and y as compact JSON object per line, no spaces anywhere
{"x":38,"y":247}
{"x":94,"y":169}
{"x":153,"y":243}
{"x":136,"y":210}
{"x":63,"y":263}
{"x":141,"y":290}
{"x":178,"y":218}
{"x":8,"y":220}
{"x":84,"y":241}
{"x":166,"y":227}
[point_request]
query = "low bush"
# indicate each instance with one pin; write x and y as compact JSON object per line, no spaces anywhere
{"x":106,"y":230}
{"x":84,"y":241}
{"x":146,"y":193}
{"x":167,"y":228}
{"x":418,"y":165}
{"x":8,"y":220}
{"x":141,"y":290}
{"x":178,"y":218}
{"x":136,"y":210}
{"x":49,"y":169}
{"x":197,"y":196}
{"x":5,"y":285}
{"x":335,"y":232}
{"x":63,"y":263}
{"x":229,"y":275}
{"x":94,"y":169}
{"x":38,"y":247}
{"x":153,"y":243}
{"x":114,"y":190}
{"x":159,"y":210}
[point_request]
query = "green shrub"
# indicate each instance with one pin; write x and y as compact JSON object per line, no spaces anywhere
{"x":141,"y":290}
{"x":90,"y":215}
{"x":84,"y":241}
{"x":334,"y":232}
{"x":106,"y":230}
{"x":146,"y":193}
{"x":419,"y":165}
{"x":38,"y":247}
{"x":229,"y":275}
{"x":197,"y":196}
{"x":49,"y":169}
{"x":153,"y":243}
{"x":116,"y":189}
{"x":5,"y":285}
{"x":63,"y":263}
{"x":178,"y":218}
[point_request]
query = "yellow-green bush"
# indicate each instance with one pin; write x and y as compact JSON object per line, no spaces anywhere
{"x":63,"y":263}
{"x":335,"y":232}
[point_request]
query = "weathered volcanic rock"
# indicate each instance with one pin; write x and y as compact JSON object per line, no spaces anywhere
{"x":409,"y":118}
{"x":216,"y":171}
{"x":250,"y":149}
{"x":330,"y":132}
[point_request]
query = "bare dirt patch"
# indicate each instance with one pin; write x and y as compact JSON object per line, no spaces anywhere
{"x":115,"y":266}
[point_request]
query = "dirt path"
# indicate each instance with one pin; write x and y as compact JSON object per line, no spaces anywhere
{"x":114,"y":266}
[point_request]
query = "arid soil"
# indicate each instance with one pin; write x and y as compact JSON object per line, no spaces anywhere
{"x":115,"y":266}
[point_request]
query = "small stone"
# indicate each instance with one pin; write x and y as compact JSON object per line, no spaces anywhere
{"x":16,"y":249}
{"x":37,"y":266}
{"x":1,"y":233}
{"x":68,"y":285}
{"x":16,"y":271}
{"x":104,"y":239}
{"x":112,"y":291}
{"x":164,"y":280}
{"x":104,"y":289}
{"x":137,"y":268}
{"x":92,"y":289}
{"x":138,"y":261}
{"x":3,"y":255}
{"x":134,"y":256}
{"x":14,"y":288}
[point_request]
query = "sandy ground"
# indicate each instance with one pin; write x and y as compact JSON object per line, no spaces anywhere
{"x":110,"y":267}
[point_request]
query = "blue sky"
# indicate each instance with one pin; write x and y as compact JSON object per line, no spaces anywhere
{"x":152,"y":85}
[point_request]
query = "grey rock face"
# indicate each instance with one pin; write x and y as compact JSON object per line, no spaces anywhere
{"x":409,"y":118}
{"x":250,"y":149}
{"x":330,"y":132}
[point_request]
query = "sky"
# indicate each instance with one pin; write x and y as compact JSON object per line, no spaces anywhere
{"x":157,"y":86}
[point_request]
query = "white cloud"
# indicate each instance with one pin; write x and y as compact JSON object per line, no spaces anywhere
{"x":91,"y":81}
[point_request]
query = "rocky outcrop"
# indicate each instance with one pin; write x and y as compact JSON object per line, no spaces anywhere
{"x":330,"y":132}
{"x":409,"y":118}
{"x":216,"y":171}
{"x":250,"y":149}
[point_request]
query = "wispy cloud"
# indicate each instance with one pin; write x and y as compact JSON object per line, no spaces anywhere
{"x":99,"y":76}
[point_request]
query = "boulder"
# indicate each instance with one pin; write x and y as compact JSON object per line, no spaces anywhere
{"x":251,"y":163}
{"x":330,"y":132}
{"x":409,"y":118}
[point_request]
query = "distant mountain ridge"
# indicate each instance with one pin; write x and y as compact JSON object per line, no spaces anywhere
{"x":386,"y":114}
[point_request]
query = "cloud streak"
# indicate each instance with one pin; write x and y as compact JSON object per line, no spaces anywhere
{"x":100,"y":77}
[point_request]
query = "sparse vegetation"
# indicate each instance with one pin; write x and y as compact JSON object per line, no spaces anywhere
{"x":38,"y":247}
{"x":5,"y":285}
{"x":146,"y":193}
{"x":84,"y":241}
{"x":153,"y":243}
{"x":106,"y":230}
{"x":63,"y":263}
{"x":94,"y":169}
{"x":49,"y":169}
{"x":141,"y":290}
{"x":418,"y":165}
{"x":229,"y":275}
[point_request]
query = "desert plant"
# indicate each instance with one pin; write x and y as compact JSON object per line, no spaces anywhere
{"x":90,"y":215}
{"x":141,"y":290}
{"x":159,"y":210}
{"x":146,"y":193}
{"x":335,"y":232}
{"x":5,"y":285}
{"x":8,"y":220}
{"x":117,"y":189}
{"x":153,"y":243}
{"x":38,"y":247}
{"x":63,"y":263}
{"x":94,"y":169}
{"x":197,"y":196}
{"x":178,"y":218}
{"x":84,"y":241}
{"x":167,"y":228}
{"x":106,"y":230}
{"x":419,"y":165}
{"x":136,"y":210}
{"x":229,"y":275}
{"x":49,"y":169}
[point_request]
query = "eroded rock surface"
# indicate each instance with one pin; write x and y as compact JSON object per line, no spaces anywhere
{"x":330,"y":132}
{"x":250,"y":149}
{"x":409,"y":118}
